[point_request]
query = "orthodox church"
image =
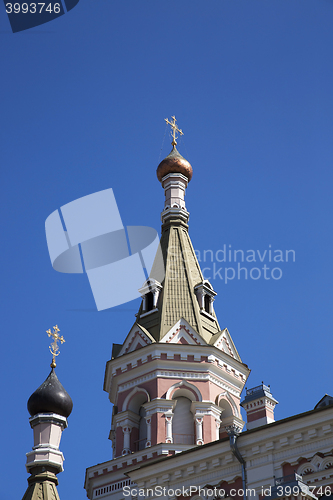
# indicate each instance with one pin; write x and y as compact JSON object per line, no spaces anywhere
{"x":175,"y":384}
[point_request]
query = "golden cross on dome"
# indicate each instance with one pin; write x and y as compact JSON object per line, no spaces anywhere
{"x":174,"y":129}
{"x":55,"y":349}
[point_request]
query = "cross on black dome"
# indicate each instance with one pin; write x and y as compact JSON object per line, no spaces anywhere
{"x":50,"y":397}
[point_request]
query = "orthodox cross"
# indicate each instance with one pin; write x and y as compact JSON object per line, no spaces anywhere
{"x":174,"y":129}
{"x":54,"y":349}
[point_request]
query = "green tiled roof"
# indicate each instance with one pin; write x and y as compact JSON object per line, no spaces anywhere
{"x":177,"y":299}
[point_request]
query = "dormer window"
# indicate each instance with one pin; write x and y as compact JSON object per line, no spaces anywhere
{"x":150,"y":292}
{"x":207,"y":304}
{"x":206,"y":296}
{"x":149,"y":301}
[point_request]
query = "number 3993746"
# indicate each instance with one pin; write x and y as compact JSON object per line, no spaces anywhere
{"x":32,"y":8}
{"x":287,"y":491}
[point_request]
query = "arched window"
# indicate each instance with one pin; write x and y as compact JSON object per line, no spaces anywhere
{"x":135,"y":405}
{"x":182,"y":422}
{"x":227,"y":416}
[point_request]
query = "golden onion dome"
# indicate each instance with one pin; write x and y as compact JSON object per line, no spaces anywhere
{"x":174,"y":163}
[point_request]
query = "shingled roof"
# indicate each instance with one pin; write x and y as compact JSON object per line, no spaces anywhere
{"x":177,"y":298}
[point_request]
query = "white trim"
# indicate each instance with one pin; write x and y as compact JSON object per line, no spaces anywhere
{"x":205,"y":313}
{"x":130,"y":340}
{"x":178,"y":374}
{"x":131,"y":394}
{"x":325,"y":461}
{"x":226,"y":395}
{"x":148,"y":312}
{"x":183,"y":383}
{"x":182,"y":325}
{"x":112,"y":379}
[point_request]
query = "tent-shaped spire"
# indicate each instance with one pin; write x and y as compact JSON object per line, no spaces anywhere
{"x":178,"y":297}
{"x":176,"y":289}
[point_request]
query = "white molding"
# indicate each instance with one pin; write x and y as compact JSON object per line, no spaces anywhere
{"x":156,"y":349}
{"x":159,"y":405}
{"x":201,"y":408}
{"x":131,"y":394}
{"x":205,"y":313}
{"x":226,"y":395}
{"x":48,"y":418}
{"x":136,"y":331}
{"x":184,"y":384}
{"x":126,"y":418}
{"x":173,"y":176}
{"x":149,"y":312}
{"x":182,"y":325}
{"x":176,"y":374}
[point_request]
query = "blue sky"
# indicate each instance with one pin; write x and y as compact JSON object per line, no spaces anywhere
{"x":82,"y":109}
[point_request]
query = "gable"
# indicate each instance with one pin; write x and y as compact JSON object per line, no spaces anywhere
{"x":325,"y":401}
{"x":183,"y":333}
{"x":136,"y":339}
{"x":224,"y":343}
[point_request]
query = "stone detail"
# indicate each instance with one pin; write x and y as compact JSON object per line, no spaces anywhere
{"x":182,"y":327}
{"x":135,"y":335}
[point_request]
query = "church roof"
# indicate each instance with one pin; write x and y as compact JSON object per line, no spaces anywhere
{"x":325,"y":401}
{"x":176,"y":278}
{"x":177,"y":298}
{"x":177,"y":305}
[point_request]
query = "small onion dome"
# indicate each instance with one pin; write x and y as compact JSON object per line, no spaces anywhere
{"x":50,"y":397}
{"x":174,"y":163}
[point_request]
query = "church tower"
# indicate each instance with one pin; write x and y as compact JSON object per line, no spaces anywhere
{"x":176,"y":380}
{"x":49,"y":406}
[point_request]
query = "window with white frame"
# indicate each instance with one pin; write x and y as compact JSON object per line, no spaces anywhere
{"x":150,"y":292}
{"x":205,"y":296}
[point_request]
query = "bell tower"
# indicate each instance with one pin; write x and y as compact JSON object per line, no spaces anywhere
{"x":176,"y":380}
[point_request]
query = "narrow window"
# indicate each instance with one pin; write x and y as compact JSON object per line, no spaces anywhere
{"x":207,"y":303}
{"x":142,"y":429}
{"x":149,"y":301}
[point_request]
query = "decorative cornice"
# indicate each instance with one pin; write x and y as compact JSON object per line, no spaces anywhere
{"x":176,"y":374}
{"x":126,"y":418}
{"x":159,"y":405}
{"x":52,"y":418}
{"x":201,"y":408}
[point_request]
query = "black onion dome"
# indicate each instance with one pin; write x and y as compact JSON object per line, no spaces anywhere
{"x":50,"y":397}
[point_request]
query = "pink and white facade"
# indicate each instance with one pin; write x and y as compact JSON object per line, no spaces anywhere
{"x":176,"y":383}
{"x":173,"y":394}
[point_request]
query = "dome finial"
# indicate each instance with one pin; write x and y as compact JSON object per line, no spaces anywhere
{"x":51,"y":397}
{"x":54,"y":349}
{"x":174,"y":129}
{"x":174,"y":162}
